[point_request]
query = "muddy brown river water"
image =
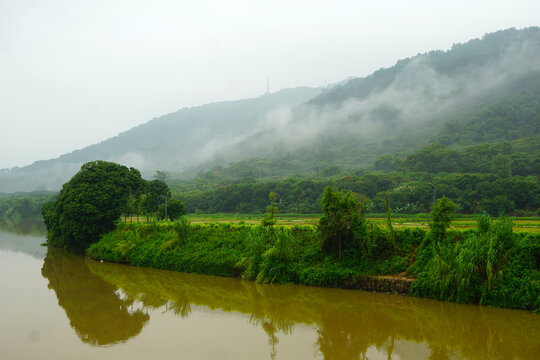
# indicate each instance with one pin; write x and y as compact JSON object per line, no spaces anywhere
{"x":55,"y":305}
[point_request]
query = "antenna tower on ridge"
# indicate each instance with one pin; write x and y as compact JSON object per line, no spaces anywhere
{"x":267,"y":86}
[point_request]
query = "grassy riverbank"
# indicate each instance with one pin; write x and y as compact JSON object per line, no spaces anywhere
{"x":293,"y":255}
{"x":491,"y":266}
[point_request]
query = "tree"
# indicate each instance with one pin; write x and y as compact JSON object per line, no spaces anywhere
{"x":501,"y":165}
{"x":383,"y":162}
{"x":269,"y":220}
{"x":175,"y":209}
{"x":442,"y":217}
{"x":157,"y":192}
{"x":342,"y":217}
{"x":331,"y":170}
{"x":89,"y":204}
{"x":500,"y":204}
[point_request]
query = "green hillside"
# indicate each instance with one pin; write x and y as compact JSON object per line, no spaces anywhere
{"x":490,"y":94}
{"x":173,"y":142}
{"x":456,"y":62}
{"x":474,"y":109}
{"x":477,"y":140}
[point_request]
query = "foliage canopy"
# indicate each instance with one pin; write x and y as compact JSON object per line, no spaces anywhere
{"x":89,"y":204}
{"x":341,"y":221}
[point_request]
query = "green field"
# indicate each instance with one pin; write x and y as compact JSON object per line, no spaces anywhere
{"x":399,"y":222}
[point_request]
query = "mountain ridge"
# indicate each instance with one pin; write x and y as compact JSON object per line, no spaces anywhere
{"x":395,"y":110}
{"x":138,"y":146}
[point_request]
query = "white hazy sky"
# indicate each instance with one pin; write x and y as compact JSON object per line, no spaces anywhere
{"x":75,"y":72}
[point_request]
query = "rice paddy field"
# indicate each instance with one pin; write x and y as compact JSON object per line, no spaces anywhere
{"x":464,"y":222}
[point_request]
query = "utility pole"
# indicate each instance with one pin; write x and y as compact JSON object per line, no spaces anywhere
{"x":317,"y":169}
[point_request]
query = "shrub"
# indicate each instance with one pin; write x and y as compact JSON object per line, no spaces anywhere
{"x":342,"y":219}
{"x":488,"y":267}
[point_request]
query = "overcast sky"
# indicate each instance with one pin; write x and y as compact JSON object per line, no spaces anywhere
{"x":74,"y":73}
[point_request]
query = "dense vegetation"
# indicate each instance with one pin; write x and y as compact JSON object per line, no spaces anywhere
{"x":290,"y":255}
{"x":508,"y":113}
{"x":436,"y":125}
{"x":499,"y":159}
{"x":491,"y":265}
{"x":23,"y":205}
{"x":280,"y":310}
{"x":462,"y":56}
{"x":89,"y":205}
{"x":490,"y":178}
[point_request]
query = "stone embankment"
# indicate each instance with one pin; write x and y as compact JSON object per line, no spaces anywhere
{"x":384,"y":284}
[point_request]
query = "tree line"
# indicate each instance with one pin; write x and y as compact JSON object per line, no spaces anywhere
{"x":499,"y":159}
{"x":490,"y":265}
{"x":24,"y":205}
{"x":407,"y":192}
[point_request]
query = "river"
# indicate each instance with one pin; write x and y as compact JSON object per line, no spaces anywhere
{"x":55,"y":305}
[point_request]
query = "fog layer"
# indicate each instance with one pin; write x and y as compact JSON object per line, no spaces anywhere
{"x":417,"y":92}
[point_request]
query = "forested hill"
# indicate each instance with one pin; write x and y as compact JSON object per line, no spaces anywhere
{"x":495,"y":50}
{"x":484,"y":91}
{"x":172,"y":142}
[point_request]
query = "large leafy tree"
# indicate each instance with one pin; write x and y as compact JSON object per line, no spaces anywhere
{"x":175,"y":210}
{"x":341,"y":221}
{"x":157,"y":191}
{"x":89,"y":204}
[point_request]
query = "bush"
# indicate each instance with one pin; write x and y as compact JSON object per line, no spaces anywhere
{"x":341,"y":222}
{"x":490,"y":266}
{"x":325,"y":274}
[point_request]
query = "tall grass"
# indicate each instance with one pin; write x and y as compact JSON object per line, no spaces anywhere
{"x":487,"y":266}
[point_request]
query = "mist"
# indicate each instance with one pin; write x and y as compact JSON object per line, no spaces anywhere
{"x":415,"y":93}
{"x":419,"y":95}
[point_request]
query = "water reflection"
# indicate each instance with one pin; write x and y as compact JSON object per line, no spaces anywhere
{"x":349,"y":323}
{"x":110,"y":303}
{"x":24,"y":236}
{"x":96,"y":311}
{"x":23,"y":226}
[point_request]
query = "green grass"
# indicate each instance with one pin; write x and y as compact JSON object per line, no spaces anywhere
{"x":465,"y":266}
{"x":399,"y":221}
{"x":293,"y":256}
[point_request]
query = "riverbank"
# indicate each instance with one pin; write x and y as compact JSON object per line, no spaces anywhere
{"x":506,"y":276}
{"x":293,"y":255}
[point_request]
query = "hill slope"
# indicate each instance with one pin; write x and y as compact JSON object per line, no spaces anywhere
{"x":172,"y":142}
{"x":485,"y":90}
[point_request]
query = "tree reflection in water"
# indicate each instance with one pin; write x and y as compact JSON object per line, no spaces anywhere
{"x":23,"y":226}
{"x":347,"y":323}
{"x":96,"y":311}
